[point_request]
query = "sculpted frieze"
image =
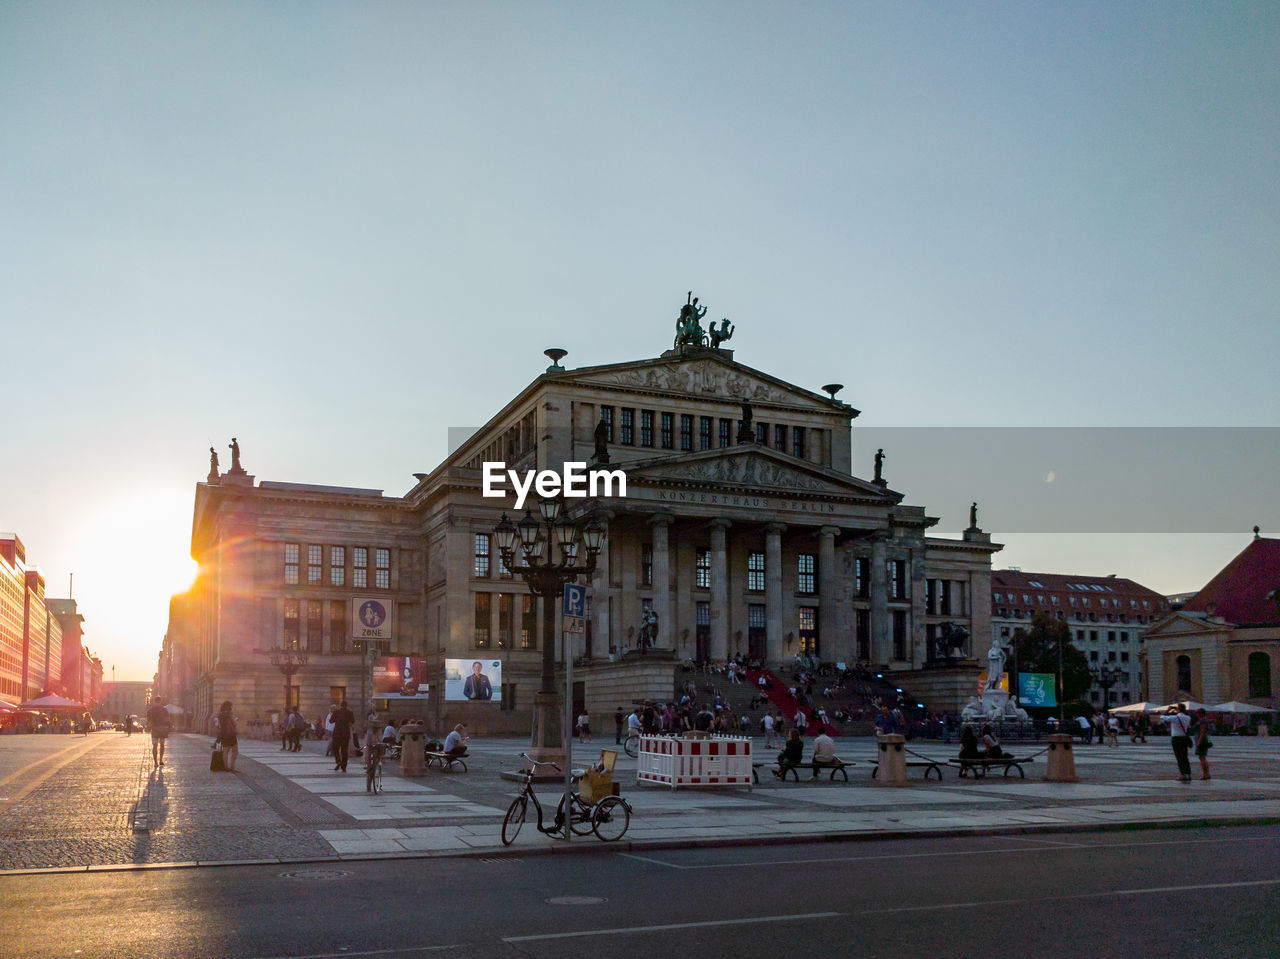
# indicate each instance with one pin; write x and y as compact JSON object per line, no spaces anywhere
{"x":745,"y":471}
{"x":697,"y":377}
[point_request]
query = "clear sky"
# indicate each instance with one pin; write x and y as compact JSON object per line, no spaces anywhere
{"x":334,"y":230}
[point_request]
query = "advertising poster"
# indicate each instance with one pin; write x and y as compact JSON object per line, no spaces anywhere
{"x":400,"y":677}
{"x":477,"y":680}
{"x":1037,"y":689}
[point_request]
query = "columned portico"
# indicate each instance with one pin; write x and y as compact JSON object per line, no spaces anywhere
{"x":719,"y":650}
{"x":773,"y":590}
{"x":828,"y":634}
{"x":879,"y":603}
{"x":601,"y":594}
{"x":662,"y":581}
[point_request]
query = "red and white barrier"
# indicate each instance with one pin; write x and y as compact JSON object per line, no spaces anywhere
{"x":718,"y":761}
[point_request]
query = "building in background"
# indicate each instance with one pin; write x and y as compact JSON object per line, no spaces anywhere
{"x":1224,"y":643}
{"x":30,"y":634}
{"x":125,"y":698}
{"x":81,"y":670}
{"x":1107,"y":615}
{"x":744,"y":531}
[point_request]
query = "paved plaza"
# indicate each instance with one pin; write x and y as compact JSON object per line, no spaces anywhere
{"x":70,"y":802}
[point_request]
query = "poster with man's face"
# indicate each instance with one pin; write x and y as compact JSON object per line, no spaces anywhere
{"x":400,"y":677}
{"x":473,"y":680}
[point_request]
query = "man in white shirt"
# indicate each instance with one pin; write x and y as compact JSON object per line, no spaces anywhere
{"x":824,"y":751}
{"x":1180,"y":739}
{"x":455,"y":744}
{"x":633,"y":723}
{"x":767,"y":722}
{"x":802,"y":721}
{"x":389,"y":733}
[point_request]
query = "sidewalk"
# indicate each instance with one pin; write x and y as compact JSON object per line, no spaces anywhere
{"x":97,"y":803}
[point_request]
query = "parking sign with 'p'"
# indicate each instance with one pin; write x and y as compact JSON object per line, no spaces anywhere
{"x":575,"y":600}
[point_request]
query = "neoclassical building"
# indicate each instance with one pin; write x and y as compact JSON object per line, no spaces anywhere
{"x":744,"y":529}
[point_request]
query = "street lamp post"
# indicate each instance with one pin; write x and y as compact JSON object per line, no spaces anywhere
{"x":548,"y":550}
{"x":1106,"y":678}
{"x":288,"y":659}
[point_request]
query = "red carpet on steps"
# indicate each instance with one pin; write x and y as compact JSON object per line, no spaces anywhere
{"x":786,"y":703}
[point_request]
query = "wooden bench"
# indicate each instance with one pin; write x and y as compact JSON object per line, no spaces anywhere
{"x":793,"y":769}
{"x":444,"y":761}
{"x":982,"y":765}
{"x":928,"y":765}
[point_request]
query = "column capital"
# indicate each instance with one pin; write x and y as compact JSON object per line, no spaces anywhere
{"x":661,"y":519}
{"x":719,"y":523}
{"x":829,"y":531}
{"x":775,"y":528}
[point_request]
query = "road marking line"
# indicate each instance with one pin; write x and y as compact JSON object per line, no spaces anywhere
{"x":22,"y":791}
{"x":656,"y":862}
{"x":664,"y":927}
{"x":400,"y":951}
{"x":1106,"y":894}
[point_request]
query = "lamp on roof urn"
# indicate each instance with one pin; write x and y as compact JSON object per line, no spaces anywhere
{"x":548,"y":548}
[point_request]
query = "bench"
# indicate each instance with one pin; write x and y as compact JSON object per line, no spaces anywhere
{"x":983,"y":764}
{"x":444,"y":761}
{"x":792,"y":768}
{"x":928,"y":765}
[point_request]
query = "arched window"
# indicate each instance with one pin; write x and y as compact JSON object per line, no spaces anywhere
{"x":1184,"y":674}
{"x":1259,"y":676}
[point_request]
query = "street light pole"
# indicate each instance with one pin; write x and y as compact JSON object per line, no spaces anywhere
{"x":288,"y":659}
{"x":548,"y":558}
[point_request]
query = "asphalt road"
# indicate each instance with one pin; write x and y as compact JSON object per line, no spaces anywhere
{"x":1143,"y":893}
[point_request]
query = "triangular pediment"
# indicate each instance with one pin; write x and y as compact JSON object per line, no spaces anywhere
{"x":752,"y":467}
{"x":1183,"y":624}
{"x":703,"y":374}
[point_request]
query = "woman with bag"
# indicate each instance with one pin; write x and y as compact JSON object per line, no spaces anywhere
{"x":227,"y":736}
{"x":1203,"y":742}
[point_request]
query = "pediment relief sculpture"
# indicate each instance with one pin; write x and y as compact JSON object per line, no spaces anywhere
{"x":699,"y":377}
{"x":744,"y":471}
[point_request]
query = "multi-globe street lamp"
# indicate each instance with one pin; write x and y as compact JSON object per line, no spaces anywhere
{"x":288,"y":659}
{"x":548,"y":550}
{"x":1106,"y":677}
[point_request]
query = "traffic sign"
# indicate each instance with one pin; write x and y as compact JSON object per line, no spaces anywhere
{"x":575,"y":600}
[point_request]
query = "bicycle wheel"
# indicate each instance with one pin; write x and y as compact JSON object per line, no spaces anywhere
{"x":377,"y":776}
{"x":579,"y":821}
{"x":369,"y":767}
{"x":632,"y":745}
{"x":514,"y":820}
{"x":611,"y":819}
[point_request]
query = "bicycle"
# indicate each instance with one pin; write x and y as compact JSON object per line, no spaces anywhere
{"x":373,"y":768}
{"x":632,"y":743}
{"x":608,"y":818}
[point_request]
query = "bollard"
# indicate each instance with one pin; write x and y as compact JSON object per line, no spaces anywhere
{"x":1062,"y":761}
{"x":412,"y":751}
{"x":892,"y":757}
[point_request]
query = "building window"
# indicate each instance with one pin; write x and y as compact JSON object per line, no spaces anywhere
{"x":646,"y":427}
{"x":382,"y":572}
{"x":862,"y":572}
{"x":807,"y":564}
{"x":291,"y":624}
{"x":862,"y":630}
{"x":755,"y":571}
{"x":315,"y":559}
{"x":606,"y":417}
{"x":726,"y":432}
{"x":628,"y":427}
{"x":528,"y":626}
{"x":482,"y":621}
{"x":504,"y":571}
{"x":755,"y":615}
{"x":945,"y":604}
{"x":506,"y":616}
{"x":702,"y":569}
{"x":337,"y":565}
{"x":797,"y":442}
{"x":291,"y":564}
{"x":646,"y":564}
{"x":808,"y":622}
{"x":899,"y":634}
{"x":359,"y":567}
{"x":762,"y":434}
{"x":1259,"y":676}
{"x":780,"y":439}
{"x":1183,"y":671}
{"x":337,"y":626}
{"x":686,"y":431}
{"x":480,"y":567}
{"x":315,"y":626}
{"x":704,"y":432}
{"x":667,"y":421}
{"x":897,"y":579}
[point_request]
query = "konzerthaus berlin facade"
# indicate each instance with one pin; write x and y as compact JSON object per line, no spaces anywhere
{"x":753,"y":538}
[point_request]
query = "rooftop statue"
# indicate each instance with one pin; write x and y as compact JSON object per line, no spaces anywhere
{"x":602,"y":441}
{"x":689,"y":324}
{"x":235,"y":456}
{"x":720,"y":335}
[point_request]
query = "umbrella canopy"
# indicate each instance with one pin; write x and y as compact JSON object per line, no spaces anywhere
{"x":1237,"y":707}
{"x":52,"y":702}
{"x":1135,"y":708}
{"x":1191,"y":705}
{"x":6,"y":707}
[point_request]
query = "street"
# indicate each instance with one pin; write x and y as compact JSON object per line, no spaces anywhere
{"x":1181,"y":892}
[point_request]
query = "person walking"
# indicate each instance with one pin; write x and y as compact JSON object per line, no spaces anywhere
{"x":227,"y":737}
{"x":1180,"y":739}
{"x":584,"y":726}
{"x":767,"y":724}
{"x":158,"y":721}
{"x":343,"y":722}
{"x":1200,"y":734}
{"x":617,"y":727}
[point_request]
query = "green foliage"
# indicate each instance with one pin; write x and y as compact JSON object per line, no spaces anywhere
{"x":1036,"y":651}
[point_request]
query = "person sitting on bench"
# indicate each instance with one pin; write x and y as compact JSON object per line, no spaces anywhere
{"x":455,"y":744}
{"x":792,"y":753}
{"x":969,"y":744}
{"x":824,"y":751}
{"x":991,"y":745}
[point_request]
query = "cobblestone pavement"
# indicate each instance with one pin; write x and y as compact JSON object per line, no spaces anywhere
{"x":77,"y":802}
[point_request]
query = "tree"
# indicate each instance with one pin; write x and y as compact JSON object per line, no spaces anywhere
{"x":1036,"y":651}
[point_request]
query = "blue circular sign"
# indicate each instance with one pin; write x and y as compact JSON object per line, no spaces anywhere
{"x":372,"y":614}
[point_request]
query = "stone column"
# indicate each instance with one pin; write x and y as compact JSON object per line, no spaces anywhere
{"x":719,"y":650}
{"x":828,"y":640}
{"x":600,"y":594}
{"x":880,"y":639}
{"x":773,"y":591}
{"x":667,"y":637}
